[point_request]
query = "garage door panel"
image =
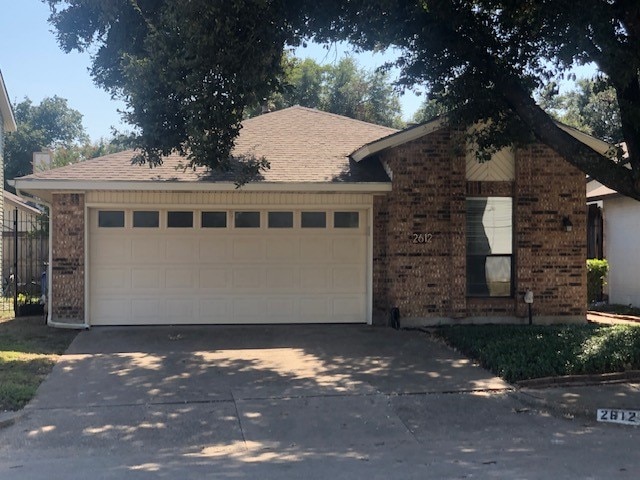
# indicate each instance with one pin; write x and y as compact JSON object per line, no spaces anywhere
{"x":215,"y":308}
{"x":313,"y":277}
{"x":146,"y":278}
{"x":180,"y":278}
{"x":347,"y":280}
{"x":181,"y":310}
{"x":147,"y":249}
{"x":314,"y":307}
{"x":181,"y":250}
{"x":110,"y":311}
{"x":111,"y":248}
{"x":248,"y":277}
{"x":347,"y":249}
{"x":280,"y":308}
{"x":247,"y":307}
{"x":214,"y":278}
{"x":213,"y":249}
{"x":315,"y":249}
{"x":282,"y":249}
{"x":281,"y":278}
{"x":147,"y":310}
{"x":118,"y":278}
{"x":347,"y":306}
{"x":248,"y":250}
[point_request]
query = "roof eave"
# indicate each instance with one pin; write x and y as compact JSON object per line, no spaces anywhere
{"x":38,"y":187}
{"x":421,"y":130}
{"x":398,"y":138}
{"x":9,"y":121}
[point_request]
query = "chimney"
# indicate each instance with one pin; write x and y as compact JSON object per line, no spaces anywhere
{"x":41,"y":161}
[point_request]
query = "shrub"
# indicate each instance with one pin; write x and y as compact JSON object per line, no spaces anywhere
{"x":596,"y":272}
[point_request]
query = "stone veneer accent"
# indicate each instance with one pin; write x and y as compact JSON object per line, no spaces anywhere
{"x":427,"y":281}
{"x":67,"y":259}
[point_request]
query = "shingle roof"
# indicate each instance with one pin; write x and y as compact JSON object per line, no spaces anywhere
{"x":302,"y":145}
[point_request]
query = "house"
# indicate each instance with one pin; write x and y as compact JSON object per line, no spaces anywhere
{"x":618,"y":243}
{"x":350,"y":221}
{"x":7,"y":124}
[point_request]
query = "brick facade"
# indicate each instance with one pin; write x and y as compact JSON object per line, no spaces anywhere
{"x":67,"y":259}
{"x":427,"y":281}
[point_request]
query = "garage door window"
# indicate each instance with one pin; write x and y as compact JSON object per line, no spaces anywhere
{"x":214,"y":219}
{"x":111,"y":219}
{"x":280,"y":219}
{"x":346,"y":220}
{"x":247,"y":219}
{"x":313,"y":220}
{"x":146,"y":219}
{"x":180,"y":219}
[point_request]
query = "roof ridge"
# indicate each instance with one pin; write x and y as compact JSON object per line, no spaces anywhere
{"x":323,"y":112}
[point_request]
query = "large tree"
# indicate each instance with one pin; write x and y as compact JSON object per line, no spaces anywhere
{"x":591,"y":107}
{"x":187,"y":69}
{"x":50,"y":124}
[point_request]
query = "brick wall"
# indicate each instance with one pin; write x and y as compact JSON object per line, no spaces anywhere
{"x":67,"y":258}
{"x":427,"y":281}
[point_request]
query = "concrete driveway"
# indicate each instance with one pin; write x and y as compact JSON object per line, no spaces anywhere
{"x":270,"y":402}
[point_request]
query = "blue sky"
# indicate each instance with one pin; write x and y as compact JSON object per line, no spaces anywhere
{"x":34,"y":66}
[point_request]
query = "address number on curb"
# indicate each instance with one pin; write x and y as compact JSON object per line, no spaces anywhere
{"x":614,"y":415}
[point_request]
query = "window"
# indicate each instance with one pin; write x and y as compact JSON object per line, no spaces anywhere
{"x":214,"y":219}
{"x":111,"y":219}
{"x":313,"y":220}
{"x":247,"y":219}
{"x":489,"y":247}
{"x":180,"y":219}
{"x":146,"y":219}
{"x":280,"y":219}
{"x":346,"y":220}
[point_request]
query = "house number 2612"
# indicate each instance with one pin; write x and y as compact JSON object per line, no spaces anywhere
{"x":422,"y":237}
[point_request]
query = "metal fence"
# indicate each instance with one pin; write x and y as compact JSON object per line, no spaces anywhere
{"x":25,"y":252}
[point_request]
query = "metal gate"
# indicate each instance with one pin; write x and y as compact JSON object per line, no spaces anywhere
{"x":25,"y":253}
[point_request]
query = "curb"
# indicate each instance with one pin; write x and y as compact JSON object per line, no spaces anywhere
{"x":528,"y":398}
{"x":9,"y":418}
{"x":613,"y":316}
{"x":580,"y":380}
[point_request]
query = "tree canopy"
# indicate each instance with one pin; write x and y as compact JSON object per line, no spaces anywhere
{"x":342,"y":88}
{"x":50,"y":124}
{"x":187,"y":70}
{"x":591,"y":107}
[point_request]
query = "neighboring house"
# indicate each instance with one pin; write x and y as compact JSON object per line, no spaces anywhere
{"x":351,"y":220}
{"x":32,"y":244}
{"x":620,"y":233}
{"x":7,"y":124}
{"x":28,"y":215}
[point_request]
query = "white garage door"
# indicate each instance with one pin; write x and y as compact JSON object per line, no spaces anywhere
{"x":167,"y":266}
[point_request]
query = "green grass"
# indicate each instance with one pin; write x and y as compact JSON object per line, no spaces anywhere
{"x":524,"y":352}
{"x":28,"y":352}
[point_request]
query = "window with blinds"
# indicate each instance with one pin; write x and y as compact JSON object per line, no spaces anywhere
{"x":489,"y":236}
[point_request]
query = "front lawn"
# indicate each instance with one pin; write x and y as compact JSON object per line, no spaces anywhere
{"x":28,"y":351}
{"x":523,"y":352}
